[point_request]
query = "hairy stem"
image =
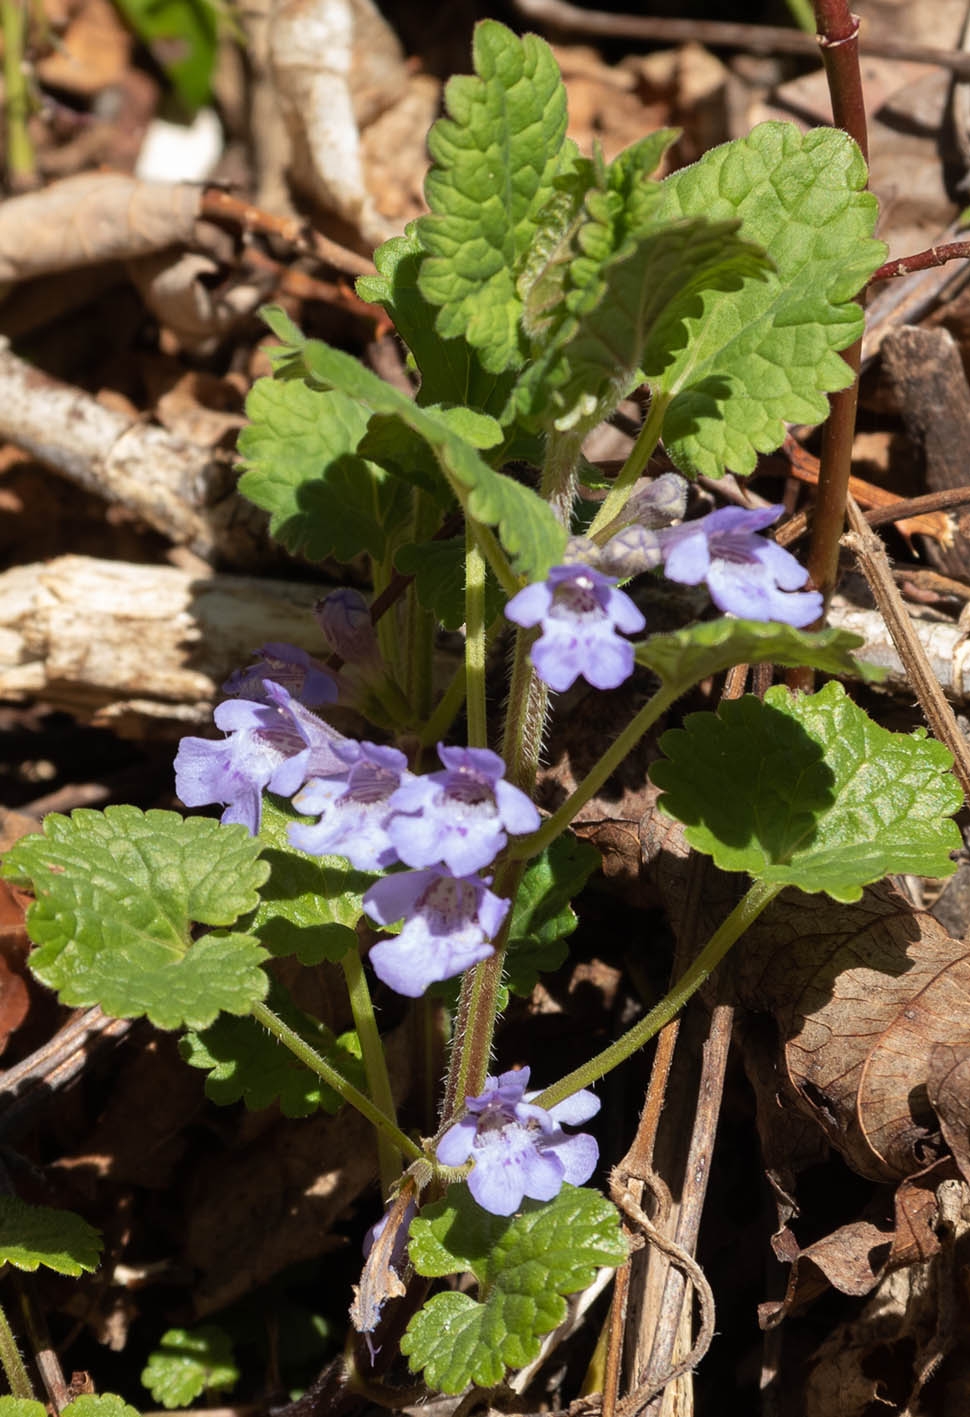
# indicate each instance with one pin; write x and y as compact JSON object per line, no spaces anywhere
{"x":13,"y":1365}
{"x":475,"y":642}
{"x":20,"y":150}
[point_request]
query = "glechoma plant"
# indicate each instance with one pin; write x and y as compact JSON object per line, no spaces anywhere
{"x":542,"y":288}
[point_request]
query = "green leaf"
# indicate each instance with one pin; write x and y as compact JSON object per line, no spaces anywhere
{"x":182,"y":36}
{"x":107,"y":1404}
{"x":247,"y":1064}
{"x":542,"y":916}
{"x":809,"y":792}
{"x":525,"y":1265}
{"x":118,"y":894}
{"x":738,"y":365}
{"x":310,"y":904}
{"x":300,"y":455}
{"x":451,"y":370}
{"x":690,"y":655}
{"x":34,"y":1235}
{"x":620,"y":271}
{"x":495,"y":160}
{"x":188,"y":1363}
{"x":22,"y":1407}
{"x":439,"y":571}
{"x":527,"y":525}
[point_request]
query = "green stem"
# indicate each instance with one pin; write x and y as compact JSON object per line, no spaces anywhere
{"x":529,"y":846}
{"x":495,"y":556}
{"x":640,"y":454}
{"x":475,"y":641}
{"x":13,"y":1365}
{"x":741,"y":918}
{"x":312,"y":1059}
{"x":375,"y":1065}
{"x":20,"y":150}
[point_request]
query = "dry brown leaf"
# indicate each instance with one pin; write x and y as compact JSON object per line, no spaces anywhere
{"x":94,"y":217}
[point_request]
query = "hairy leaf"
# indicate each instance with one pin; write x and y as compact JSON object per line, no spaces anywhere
{"x":620,"y":270}
{"x":188,"y":1363}
{"x":34,"y":1235}
{"x":690,"y":655}
{"x":810,"y":792}
{"x":495,"y":160}
{"x":525,"y":1264}
{"x":302,"y":466}
{"x":527,"y":526}
{"x":118,"y":895}
{"x":739,"y":364}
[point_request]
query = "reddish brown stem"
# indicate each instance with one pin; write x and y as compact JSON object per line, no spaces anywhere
{"x":922,"y":260}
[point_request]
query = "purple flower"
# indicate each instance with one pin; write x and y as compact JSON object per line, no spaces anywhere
{"x":354,"y":810}
{"x":286,"y":665}
{"x":449,"y":923}
{"x":460,"y":816}
{"x":276,"y":744}
{"x":746,"y":575}
{"x":518,"y":1149}
{"x":580,"y":611}
{"x":344,"y":617}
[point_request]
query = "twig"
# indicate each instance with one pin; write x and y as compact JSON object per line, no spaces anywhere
{"x":874,"y":564}
{"x":721,"y":34}
{"x":296,"y":233}
{"x":714,"y":1066}
{"x":922,"y":260}
{"x":33,"y":1082}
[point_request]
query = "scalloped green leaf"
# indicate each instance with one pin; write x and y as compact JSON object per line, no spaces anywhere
{"x":542,"y":917}
{"x":737,"y":365}
{"x":35,"y":1235}
{"x":810,"y":792}
{"x":310,"y":904}
{"x":188,"y":1363}
{"x":106,"y":1404}
{"x":247,"y":1064}
{"x":527,"y":525}
{"x":22,"y":1407}
{"x":118,"y":895}
{"x":301,"y":465}
{"x":451,"y":370}
{"x":525,"y":1265}
{"x":620,"y":270}
{"x":495,"y":158}
{"x":690,"y":655}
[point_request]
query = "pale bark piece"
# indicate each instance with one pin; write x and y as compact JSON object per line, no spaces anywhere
{"x":947,"y":649}
{"x":335,"y":65}
{"x":181,"y":490}
{"x":93,"y":217}
{"x":144,"y":648}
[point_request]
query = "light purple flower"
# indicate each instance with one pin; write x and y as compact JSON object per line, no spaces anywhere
{"x":449,"y":923}
{"x":287,"y":665}
{"x":580,"y":611}
{"x":275,"y":744}
{"x":459,"y":816}
{"x":746,"y":575}
{"x":519,"y":1149}
{"x":354,"y":810}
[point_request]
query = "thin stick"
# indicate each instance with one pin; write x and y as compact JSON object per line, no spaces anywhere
{"x":874,"y":564}
{"x":922,"y":260}
{"x":721,"y":34}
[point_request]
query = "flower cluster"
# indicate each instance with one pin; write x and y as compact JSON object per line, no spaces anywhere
{"x":583,"y":616}
{"x":518,"y":1149}
{"x":448,"y":826}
